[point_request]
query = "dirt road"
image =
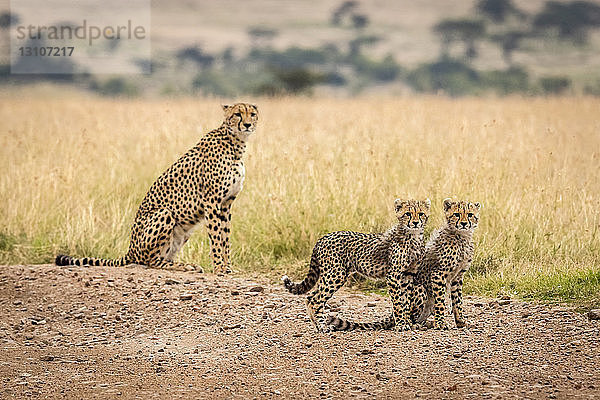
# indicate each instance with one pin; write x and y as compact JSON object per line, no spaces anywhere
{"x":138,"y":333}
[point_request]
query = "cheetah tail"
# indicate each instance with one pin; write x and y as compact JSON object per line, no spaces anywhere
{"x":308,"y":282}
{"x":62,"y":260}
{"x":339,"y":324}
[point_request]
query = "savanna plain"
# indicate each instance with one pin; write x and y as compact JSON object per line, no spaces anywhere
{"x":75,"y":167}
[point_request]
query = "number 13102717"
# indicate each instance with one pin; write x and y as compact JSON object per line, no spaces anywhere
{"x":46,"y":51}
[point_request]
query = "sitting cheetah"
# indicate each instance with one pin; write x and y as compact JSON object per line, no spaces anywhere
{"x":448,"y":255}
{"x":393,"y":255}
{"x":199,"y":187}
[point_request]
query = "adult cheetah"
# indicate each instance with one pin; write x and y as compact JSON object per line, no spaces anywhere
{"x":393,"y":255}
{"x":199,"y":187}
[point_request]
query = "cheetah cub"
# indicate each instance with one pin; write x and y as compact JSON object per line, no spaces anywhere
{"x":199,"y":187}
{"x":393,"y":255}
{"x":448,"y":255}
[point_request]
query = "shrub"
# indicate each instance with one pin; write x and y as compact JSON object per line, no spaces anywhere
{"x":506,"y":81}
{"x":555,"y":84}
{"x":450,"y":76}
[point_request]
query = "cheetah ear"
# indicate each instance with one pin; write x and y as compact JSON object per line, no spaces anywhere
{"x":478,"y":205}
{"x":398,"y":203}
{"x":447,"y":204}
{"x":225,"y":107}
{"x":427,"y":203}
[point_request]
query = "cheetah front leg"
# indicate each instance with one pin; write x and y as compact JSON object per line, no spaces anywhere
{"x":216,"y":233}
{"x":438,"y":286}
{"x":400,"y":288}
{"x":226,"y":222}
{"x":418,"y":300}
{"x":456,"y":294}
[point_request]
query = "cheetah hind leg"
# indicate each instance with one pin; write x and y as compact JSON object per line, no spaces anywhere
{"x":418,"y":304}
{"x":328,"y":284}
{"x":159,"y":237}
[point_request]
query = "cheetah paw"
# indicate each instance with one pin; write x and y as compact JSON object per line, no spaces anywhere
{"x":403,"y":327}
{"x":193,"y":268}
{"x":462,"y":324}
{"x":222,"y":270}
{"x":440,"y":326}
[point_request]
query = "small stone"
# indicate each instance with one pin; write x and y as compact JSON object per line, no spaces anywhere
{"x":47,"y":358}
{"x":185,"y":296}
{"x":235,"y":292}
{"x":366,"y":352}
{"x":17,"y":302}
{"x":452,"y":388}
{"x":594,"y":315}
{"x":503,"y":302}
{"x":256,"y":288}
{"x":371,"y":304}
{"x":380,"y":377}
{"x":171,"y":281}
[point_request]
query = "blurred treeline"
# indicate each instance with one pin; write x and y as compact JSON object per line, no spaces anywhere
{"x":349,"y":68}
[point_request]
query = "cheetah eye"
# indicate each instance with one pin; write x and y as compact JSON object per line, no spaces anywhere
{"x":407,"y":214}
{"x":253,"y":115}
{"x":470,"y":215}
{"x":238,"y":115}
{"x":421,"y":214}
{"x":457,"y":215}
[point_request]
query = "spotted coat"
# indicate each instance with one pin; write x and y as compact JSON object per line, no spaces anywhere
{"x":393,"y":255}
{"x":448,"y":255}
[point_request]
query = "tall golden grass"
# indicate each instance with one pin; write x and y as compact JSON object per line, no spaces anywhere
{"x":75,"y":168}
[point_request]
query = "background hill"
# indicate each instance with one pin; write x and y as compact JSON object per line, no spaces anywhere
{"x":340,"y":47}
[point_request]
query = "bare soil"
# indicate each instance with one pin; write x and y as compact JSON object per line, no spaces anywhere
{"x":139,"y":333}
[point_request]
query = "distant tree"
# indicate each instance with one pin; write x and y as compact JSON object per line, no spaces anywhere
{"x":7,"y":19}
{"x":357,"y":44}
{"x":341,"y":11}
{"x":115,"y":87}
{"x":195,"y":54}
{"x":468,"y":31}
{"x":298,"y":80}
{"x":359,"y":21}
{"x":261,"y":36}
{"x":555,"y":84}
{"x":571,"y":20}
{"x":227,"y":55}
{"x":289,"y":81}
{"x":498,"y":10}
{"x":449,"y":76}
{"x":509,"y":42}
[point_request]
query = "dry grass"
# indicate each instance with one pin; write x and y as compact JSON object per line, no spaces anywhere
{"x":75,"y":168}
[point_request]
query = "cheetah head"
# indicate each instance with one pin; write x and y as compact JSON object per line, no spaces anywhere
{"x":241,"y":118}
{"x":412,"y":214}
{"x":462,"y":215}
